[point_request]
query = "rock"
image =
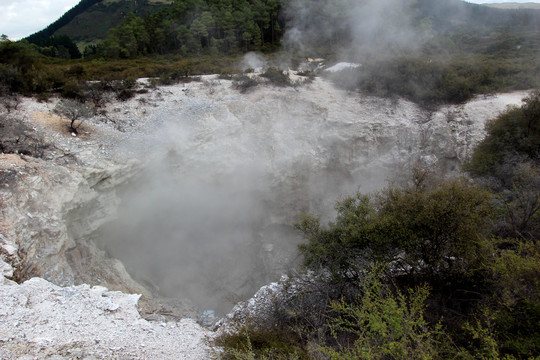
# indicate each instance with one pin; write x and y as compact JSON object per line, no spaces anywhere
{"x":38,"y":318}
{"x":6,"y":271}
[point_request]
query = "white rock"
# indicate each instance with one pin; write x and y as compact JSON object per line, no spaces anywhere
{"x":342,"y":66}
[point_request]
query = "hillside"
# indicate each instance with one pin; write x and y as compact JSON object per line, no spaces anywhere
{"x":453,"y":14}
{"x":90,"y":20}
{"x":253,"y":23}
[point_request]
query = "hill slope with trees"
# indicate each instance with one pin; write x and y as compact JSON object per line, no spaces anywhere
{"x":455,"y":49}
{"x":89,"y":21}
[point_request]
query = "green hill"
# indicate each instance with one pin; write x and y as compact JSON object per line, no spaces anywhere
{"x":89,"y":21}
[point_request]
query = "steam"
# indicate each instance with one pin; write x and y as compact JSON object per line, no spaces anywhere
{"x":253,"y":61}
{"x":186,"y":234}
{"x":211,"y":218}
{"x":362,"y":27}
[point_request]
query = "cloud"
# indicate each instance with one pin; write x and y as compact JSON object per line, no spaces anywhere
{"x":20,"y":18}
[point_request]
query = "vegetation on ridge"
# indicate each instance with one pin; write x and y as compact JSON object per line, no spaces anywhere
{"x":455,"y":58}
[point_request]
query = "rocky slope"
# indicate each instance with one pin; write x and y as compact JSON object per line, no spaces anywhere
{"x":39,"y":320}
{"x":194,"y":187}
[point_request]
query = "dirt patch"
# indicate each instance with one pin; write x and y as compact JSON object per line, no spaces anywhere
{"x":50,"y":121}
{"x":9,"y":161}
{"x":58,"y":124}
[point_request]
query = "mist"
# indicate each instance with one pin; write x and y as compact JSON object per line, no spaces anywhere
{"x":357,"y":28}
{"x":187,"y":233}
{"x":210,"y":216}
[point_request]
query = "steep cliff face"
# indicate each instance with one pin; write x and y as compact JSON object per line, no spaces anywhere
{"x":195,"y":187}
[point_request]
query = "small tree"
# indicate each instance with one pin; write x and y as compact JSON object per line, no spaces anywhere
{"x":75,"y":111}
{"x":9,"y":100}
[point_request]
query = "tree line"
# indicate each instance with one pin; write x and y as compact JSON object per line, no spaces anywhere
{"x":195,"y":27}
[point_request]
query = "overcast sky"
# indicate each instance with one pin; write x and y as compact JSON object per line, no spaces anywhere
{"x":20,"y":18}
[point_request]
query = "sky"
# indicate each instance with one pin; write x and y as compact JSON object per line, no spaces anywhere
{"x":20,"y":18}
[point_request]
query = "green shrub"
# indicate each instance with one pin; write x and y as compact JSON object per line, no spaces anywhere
{"x":515,"y":299}
{"x":277,"y":77}
{"x":263,"y":344}
{"x":244,"y":83}
{"x":384,"y":324}
{"x":515,"y":132}
{"x":73,"y":90}
{"x":434,"y":232}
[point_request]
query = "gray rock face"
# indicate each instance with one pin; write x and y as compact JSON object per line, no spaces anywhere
{"x":48,"y":208}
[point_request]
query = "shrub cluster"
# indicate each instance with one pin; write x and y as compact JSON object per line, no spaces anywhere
{"x":515,"y":133}
{"x":451,"y":68}
{"x":244,"y":83}
{"x":23,"y":70}
{"x":431,"y":81}
{"x":277,"y":77}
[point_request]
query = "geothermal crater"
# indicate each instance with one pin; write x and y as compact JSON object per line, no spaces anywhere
{"x":190,"y":192}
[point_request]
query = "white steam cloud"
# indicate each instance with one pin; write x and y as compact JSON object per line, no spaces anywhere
{"x":211,"y":219}
{"x":361,"y":27}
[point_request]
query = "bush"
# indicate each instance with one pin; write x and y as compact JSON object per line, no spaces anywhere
{"x":421,"y":232}
{"x":277,"y":77}
{"x":384,"y":324}
{"x":244,"y":83}
{"x":73,"y":90}
{"x":515,"y":299}
{"x":124,"y":89}
{"x":508,"y":161}
{"x":515,"y":132}
{"x":96,"y":92}
{"x":257,"y":343}
{"x":446,"y":288}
